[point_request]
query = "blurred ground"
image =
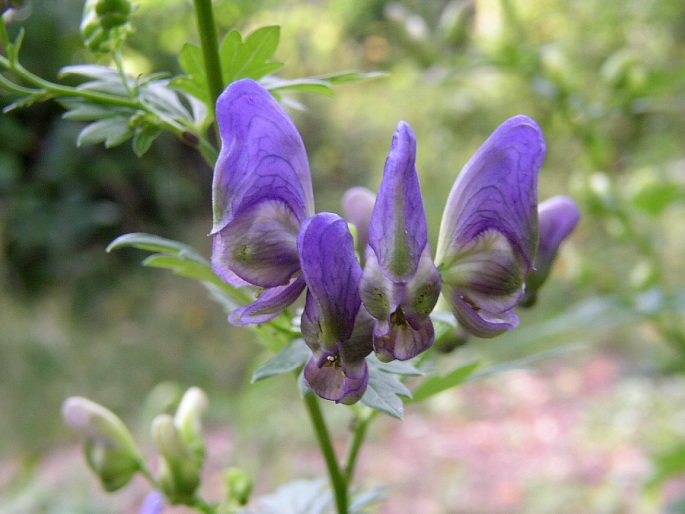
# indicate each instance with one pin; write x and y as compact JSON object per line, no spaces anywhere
{"x":571,"y":437}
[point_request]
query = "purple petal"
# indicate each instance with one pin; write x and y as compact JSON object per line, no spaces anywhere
{"x":558,"y":218}
{"x":332,"y":273}
{"x":478,"y":322}
{"x":259,"y":246}
{"x":153,"y":504}
{"x":401,"y":338}
{"x":497,"y":190}
{"x":398,"y":232}
{"x":358,"y":203}
{"x":326,"y":376}
{"x":489,"y":230}
{"x":262,"y":156}
{"x":269,"y":305}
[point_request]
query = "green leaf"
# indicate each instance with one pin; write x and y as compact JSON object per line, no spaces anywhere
{"x":95,"y":71}
{"x":27,"y":101}
{"x":182,"y":266}
{"x":143,"y":139}
{"x":653,"y":198}
{"x":667,"y":465}
{"x":309,"y":85}
{"x":351,"y":77}
{"x":384,"y":391}
{"x":154,"y":243}
{"x":396,"y":367}
{"x":438,"y":384}
{"x":195,"y":82}
{"x":251,"y":58}
{"x":298,"y":497}
{"x":83,"y":111}
{"x":113,"y":131}
{"x":290,"y":358}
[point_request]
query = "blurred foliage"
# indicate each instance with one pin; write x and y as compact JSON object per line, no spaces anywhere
{"x":605,"y":80}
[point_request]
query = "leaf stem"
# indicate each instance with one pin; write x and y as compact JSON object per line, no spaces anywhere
{"x":338,"y":481}
{"x":210,"y":50}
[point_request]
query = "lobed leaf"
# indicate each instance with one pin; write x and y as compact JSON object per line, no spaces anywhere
{"x":290,"y":358}
{"x":384,"y":392}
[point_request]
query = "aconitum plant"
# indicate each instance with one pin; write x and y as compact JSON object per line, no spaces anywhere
{"x":371,"y":282}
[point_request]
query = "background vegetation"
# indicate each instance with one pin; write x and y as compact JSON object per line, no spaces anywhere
{"x":606,"y":80}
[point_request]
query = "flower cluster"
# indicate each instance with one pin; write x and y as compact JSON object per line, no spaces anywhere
{"x":267,"y":235}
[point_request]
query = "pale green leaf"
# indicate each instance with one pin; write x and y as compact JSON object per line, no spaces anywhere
{"x":290,"y":358}
{"x":437,"y":384}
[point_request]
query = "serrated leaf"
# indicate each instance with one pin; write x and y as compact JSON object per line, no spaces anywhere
{"x":437,"y":384}
{"x":143,"y":139}
{"x":112,"y":131}
{"x":383,"y":393}
{"x":290,"y":358}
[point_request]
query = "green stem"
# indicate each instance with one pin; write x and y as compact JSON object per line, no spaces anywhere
{"x":338,"y":481}
{"x":210,"y":50}
{"x":358,"y":437}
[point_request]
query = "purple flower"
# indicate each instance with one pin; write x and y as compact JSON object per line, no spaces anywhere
{"x":334,"y":325}
{"x":489,"y":230}
{"x":558,"y":215}
{"x":153,"y":504}
{"x":400,"y":284}
{"x":262,"y":193}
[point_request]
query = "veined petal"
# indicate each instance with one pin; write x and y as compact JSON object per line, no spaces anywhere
{"x":476,"y":321}
{"x":326,"y":376}
{"x":269,"y":305}
{"x":398,"y":232}
{"x":259,"y":245}
{"x":401,"y":338}
{"x":558,"y":218}
{"x":489,"y":230}
{"x":332,"y":273}
{"x":497,"y":190}
{"x":262,"y":155}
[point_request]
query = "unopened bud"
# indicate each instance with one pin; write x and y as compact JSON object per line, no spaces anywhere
{"x":110,"y":450}
{"x":188,"y":420}
{"x":179,"y":471}
{"x":239,"y":486}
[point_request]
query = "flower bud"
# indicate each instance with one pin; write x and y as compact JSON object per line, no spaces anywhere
{"x":105,"y":24}
{"x":239,"y":486}
{"x":188,"y":420}
{"x":109,"y":447}
{"x":179,"y":470}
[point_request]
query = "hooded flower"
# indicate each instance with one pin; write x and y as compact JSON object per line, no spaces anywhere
{"x":262,"y":193}
{"x":489,"y":231}
{"x":334,"y":325}
{"x":400,"y":284}
{"x":558,"y":216}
